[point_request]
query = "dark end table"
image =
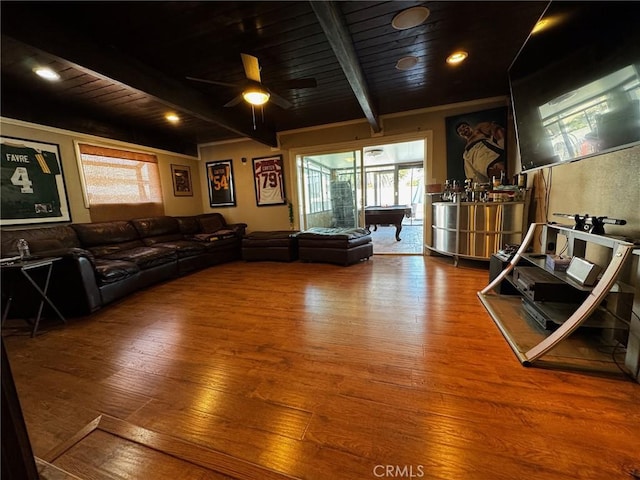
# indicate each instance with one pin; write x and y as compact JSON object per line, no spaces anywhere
{"x":10,"y":274}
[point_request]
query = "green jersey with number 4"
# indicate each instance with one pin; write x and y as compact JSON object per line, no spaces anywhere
{"x":29,"y":188}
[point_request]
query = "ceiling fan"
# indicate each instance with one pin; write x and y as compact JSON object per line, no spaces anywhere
{"x":253,"y":91}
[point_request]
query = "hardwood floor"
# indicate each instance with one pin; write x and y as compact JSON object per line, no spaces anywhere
{"x":390,"y":368}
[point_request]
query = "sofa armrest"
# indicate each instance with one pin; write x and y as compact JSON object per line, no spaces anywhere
{"x":74,"y":253}
{"x":238,"y":228}
{"x":74,"y":287}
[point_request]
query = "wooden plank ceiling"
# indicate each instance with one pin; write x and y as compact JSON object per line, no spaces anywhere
{"x":124,"y":65}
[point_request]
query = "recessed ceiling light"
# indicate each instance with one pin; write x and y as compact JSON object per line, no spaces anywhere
{"x":407,"y":63}
{"x":46,"y":73}
{"x":457,"y":57}
{"x":541,"y":25}
{"x":172,"y":117}
{"x":409,"y":18}
{"x":547,"y":23}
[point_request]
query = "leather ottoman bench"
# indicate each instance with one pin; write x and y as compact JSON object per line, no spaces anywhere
{"x":277,"y":246}
{"x":342,"y":246}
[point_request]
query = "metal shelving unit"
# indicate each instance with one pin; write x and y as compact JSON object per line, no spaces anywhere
{"x":565,"y":345}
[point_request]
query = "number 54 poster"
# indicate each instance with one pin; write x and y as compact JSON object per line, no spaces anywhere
{"x":268,"y":175}
{"x":220,"y":181}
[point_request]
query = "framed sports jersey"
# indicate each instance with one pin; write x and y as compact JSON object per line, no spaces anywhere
{"x":220,"y":183}
{"x":268,"y":175}
{"x":32,"y":188}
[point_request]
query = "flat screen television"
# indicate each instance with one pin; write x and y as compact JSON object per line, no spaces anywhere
{"x":575,"y":84}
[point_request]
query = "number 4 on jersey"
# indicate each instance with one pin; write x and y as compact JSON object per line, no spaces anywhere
{"x":20,"y":178}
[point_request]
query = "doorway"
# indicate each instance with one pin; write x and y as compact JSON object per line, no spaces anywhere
{"x":394,"y":176}
{"x":335,"y":188}
{"x":329,"y":189}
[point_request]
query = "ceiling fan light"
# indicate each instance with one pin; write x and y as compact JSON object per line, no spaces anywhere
{"x":256,"y":96}
{"x":374,"y":152}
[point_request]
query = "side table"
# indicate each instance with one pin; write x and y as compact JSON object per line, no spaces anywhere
{"x":10,"y":272}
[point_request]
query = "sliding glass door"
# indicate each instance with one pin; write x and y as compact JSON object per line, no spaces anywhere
{"x":334,"y":189}
{"x":329,"y":185}
{"x":411,"y":191}
{"x":380,"y":188}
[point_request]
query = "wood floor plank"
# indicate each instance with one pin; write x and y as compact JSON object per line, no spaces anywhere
{"x":320,"y":371}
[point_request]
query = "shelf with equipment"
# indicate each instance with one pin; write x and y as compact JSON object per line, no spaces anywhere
{"x":551,"y":319}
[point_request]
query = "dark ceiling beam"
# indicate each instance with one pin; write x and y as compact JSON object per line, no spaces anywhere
{"x":119,"y":68}
{"x":335,"y":28}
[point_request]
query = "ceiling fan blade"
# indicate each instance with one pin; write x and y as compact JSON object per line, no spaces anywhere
{"x":251,"y":67}
{"x":235,"y":101}
{"x":299,"y":83}
{"x":280,"y":101}
{"x":212,"y":82}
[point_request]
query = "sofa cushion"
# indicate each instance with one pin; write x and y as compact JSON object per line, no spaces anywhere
{"x":110,"y":271}
{"x":212,"y":237}
{"x":156,"y":226}
{"x":144,"y":257}
{"x":174,"y":237}
{"x":211,"y":223}
{"x":39,"y":239}
{"x":334,"y":237}
{"x":116,"y":235}
{"x":214,"y":244}
{"x":106,"y":250}
{"x":69,"y":253}
{"x":45,"y":244}
{"x":322,"y":232}
{"x":188,"y":225}
{"x":184,"y":248}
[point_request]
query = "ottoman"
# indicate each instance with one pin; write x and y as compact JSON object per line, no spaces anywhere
{"x":278,"y":246}
{"x":342,"y":246}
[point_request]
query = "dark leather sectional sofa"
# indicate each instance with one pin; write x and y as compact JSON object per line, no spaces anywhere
{"x":102,"y":262}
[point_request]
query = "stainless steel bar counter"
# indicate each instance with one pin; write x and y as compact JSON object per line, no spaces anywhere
{"x":476,"y":230}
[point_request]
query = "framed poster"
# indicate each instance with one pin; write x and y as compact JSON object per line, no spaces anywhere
{"x":476,"y":145}
{"x":220,"y":183}
{"x":32,"y":183}
{"x":268,"y":174}
{"x":181,"y":177}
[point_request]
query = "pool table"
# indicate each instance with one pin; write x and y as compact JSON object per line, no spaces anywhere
{"x":391,"y":215}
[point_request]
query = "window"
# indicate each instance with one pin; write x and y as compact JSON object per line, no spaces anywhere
{"x":120,"y":184}
{"x":317,"y":193}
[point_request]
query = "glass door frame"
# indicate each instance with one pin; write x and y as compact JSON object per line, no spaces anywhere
{"x":334,"y":185}
{"x":294,"y":154}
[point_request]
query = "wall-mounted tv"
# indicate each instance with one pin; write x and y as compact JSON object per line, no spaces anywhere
{"x":575,"y":84}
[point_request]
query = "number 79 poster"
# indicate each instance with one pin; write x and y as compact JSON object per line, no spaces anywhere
{"x":220,"y":182}
{"x":268,"y":175}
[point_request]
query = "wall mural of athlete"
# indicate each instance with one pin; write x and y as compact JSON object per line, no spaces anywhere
{"x":31,"y":182}
{"x":476,"y":145}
